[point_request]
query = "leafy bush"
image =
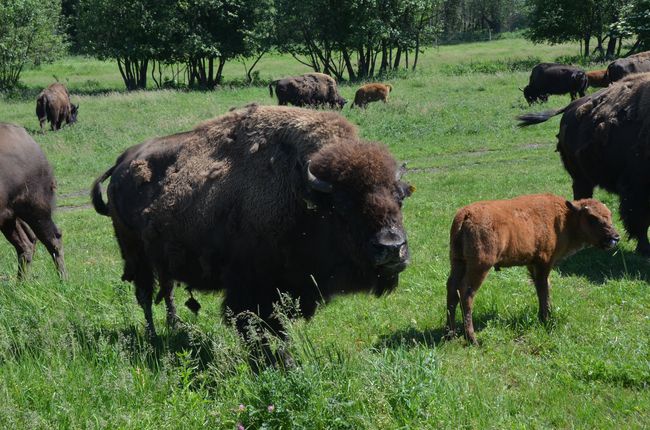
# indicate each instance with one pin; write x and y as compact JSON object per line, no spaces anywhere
{"x":492,"y":67}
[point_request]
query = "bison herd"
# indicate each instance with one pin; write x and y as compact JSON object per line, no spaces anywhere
{"x":272,"y":200}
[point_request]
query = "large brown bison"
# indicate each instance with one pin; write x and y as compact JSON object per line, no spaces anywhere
{"x":554,"y":78}
{"x":638,"y":63}
{"x":27,"y":198}
{"x":534,"y":231}
{"x":310,"y":89}
{"x":258,"y":202}
{"x":371,"y":93}
{"x":53,"y":104}
{"x":604,"y":141}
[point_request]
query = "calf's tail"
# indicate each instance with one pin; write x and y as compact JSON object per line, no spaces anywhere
{"x":538,"y":117}
{"x":96,"y":193}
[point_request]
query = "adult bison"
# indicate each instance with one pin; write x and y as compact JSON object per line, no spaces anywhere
{"x":604,"y":141}
{"x":310,"y":89}
{"x":554,"y":78}
{"x":638,"y":63}
{"x":258,"y":202}
{"x":27,"y":198}
{"x":53,"y":104}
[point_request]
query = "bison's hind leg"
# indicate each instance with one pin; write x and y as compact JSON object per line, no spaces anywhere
{"x":144,"y":281}
{"x":635,"y":213}
{"x":23,"y":240}
{"x":40,"y":221}
{"x":167,"y":292}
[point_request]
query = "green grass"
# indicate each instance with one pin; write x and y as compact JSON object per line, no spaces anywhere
{"x":73,"y":355}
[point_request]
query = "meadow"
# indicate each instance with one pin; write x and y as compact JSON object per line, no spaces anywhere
{"x":74,"y":354}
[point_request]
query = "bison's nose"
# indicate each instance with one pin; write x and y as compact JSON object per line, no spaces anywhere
{"x":389,"y":248}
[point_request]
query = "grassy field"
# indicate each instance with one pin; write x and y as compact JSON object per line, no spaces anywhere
{"x":74,"y":355}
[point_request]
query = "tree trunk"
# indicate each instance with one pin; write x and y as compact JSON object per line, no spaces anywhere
{"x":398,"y":56}
{"x":611,"y":47}
{"x":348,"y":65}
{"x":384,"y":57}
{"x":219,"y":77}
{"x":586,"y":40}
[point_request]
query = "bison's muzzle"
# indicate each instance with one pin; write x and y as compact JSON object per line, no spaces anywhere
{"x":389,"y":250}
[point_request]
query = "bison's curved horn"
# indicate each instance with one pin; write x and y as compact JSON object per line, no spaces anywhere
{"x":316,"y":183}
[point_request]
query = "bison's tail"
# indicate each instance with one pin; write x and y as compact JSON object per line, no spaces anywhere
{"x":390,"y":88}
{"x":537,"y":118}
{"x":96,"y":193}
{"x":271,"y":87}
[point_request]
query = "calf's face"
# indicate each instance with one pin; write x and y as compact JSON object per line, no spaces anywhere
{"x":595,"y":223}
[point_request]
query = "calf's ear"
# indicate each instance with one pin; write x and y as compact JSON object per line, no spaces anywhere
{"x":572,"y":206}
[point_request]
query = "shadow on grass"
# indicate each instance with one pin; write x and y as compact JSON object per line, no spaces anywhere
{"x":143,"y":351}
{"x":519,"y":324}
{"x":599,"y":266}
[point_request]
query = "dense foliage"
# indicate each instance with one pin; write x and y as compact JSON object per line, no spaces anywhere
{"x":29,"y":34}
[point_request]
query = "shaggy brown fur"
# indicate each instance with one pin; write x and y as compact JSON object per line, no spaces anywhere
{"x":27,"y":198}
{"x":597,"y":78}
{"x":259,"y":201}
{"x":53,"y":104}
{"x":371,"y":93}
{"x":534,"y":231}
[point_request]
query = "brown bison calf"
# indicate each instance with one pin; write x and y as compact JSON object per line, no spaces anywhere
{"x":533,"y":231}
{"x":597,"y":78}
{"x":371,"y":93}
{"x":53,"y":104}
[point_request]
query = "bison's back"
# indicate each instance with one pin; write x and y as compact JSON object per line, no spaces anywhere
{"x":23,"y":166}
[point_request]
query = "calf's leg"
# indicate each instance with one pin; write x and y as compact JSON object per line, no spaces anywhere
{"x":453,"y":293}
{"x":472,"y":280}
{"x":540,"y":274}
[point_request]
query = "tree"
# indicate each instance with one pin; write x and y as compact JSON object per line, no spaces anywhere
{"x":30,"y":34}
{"x":130,"y":32}
{"x":635,"y":20}
{"x":557,"y":21}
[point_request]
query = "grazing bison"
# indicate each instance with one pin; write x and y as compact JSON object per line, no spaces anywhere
{"x":554,"y":78}
{"x":310,"y":89}
{"x":618,"y":69}
{"x":534,"y":231}
{"x":597,"y":78}
{"x":27,"y":198}
{"x":604,"y":141}
{"x":53,"y":104}
{"x":371,"y":93}
{"x":258,"y":202}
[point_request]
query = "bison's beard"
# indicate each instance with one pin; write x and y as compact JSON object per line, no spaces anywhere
{"x":386,"y":283}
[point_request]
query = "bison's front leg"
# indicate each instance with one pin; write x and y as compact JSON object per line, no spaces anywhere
{"x":540,"y":274}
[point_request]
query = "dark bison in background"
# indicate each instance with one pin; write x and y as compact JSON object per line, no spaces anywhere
{"x":604,"y":141}
{"x":27,"y":198}
{"x":310,"y":89}
{"x":53,"y":104}
{"x":554,"y":78}
{"x":638,"y":63}
{"x":261,"y":201}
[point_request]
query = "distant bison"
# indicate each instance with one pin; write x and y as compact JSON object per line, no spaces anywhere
{"x":27,"y":198}
{"x":618,"y":69}
{"x":53,"y":104}
{"x":534,"y":231}
{"x":310,"y":89}
{"x":554,"y":78}
{"x":261,"y":201}
{"x":604,"y":141}
{"x":371,"y":93}
{"x":597,"y":78}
